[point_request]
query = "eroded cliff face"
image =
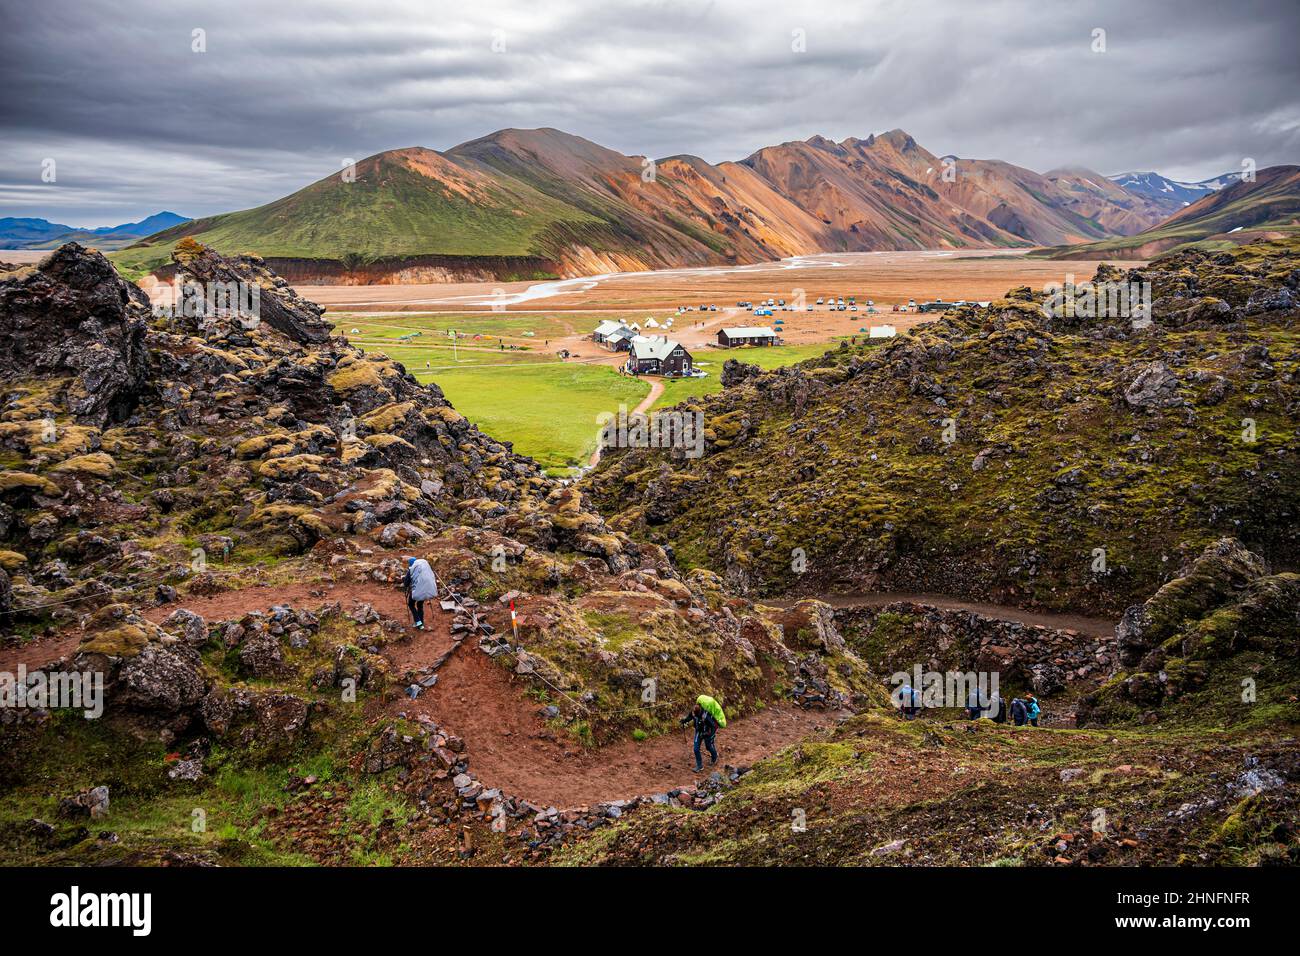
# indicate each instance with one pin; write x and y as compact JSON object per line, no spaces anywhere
{"x":407,"y":271}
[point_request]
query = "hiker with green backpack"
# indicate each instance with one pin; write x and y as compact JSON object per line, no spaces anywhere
{"x":707,"y":716}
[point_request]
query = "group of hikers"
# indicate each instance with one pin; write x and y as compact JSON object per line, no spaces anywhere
{"x":706,"y":714}
{"x":1022,"y":710}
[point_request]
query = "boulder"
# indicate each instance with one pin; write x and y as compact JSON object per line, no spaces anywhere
{"x":161,"y":679}
{"x":1154,"y":387}
{"x":189,"y":626}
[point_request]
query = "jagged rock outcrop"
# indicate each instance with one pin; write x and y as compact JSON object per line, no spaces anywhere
{"x":1219,"y":573}
{"x":895,"y":637}
{"x":296,"y":436}
{"x":279,"y":306}
{"x":72,"y":317}
{"x":1224,"y":626}
{"x":734,"y":372}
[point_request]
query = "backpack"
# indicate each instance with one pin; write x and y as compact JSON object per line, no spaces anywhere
{"x":713,"y":707}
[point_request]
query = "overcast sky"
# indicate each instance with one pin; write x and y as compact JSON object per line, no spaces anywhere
{"x":136,"y":120}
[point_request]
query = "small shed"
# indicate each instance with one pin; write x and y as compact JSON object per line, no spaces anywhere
{"x":613,"y":335}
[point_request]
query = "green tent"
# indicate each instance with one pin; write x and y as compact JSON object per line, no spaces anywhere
{"x":713,"y":707}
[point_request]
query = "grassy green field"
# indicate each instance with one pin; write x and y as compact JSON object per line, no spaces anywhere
{"x":510,"y":326}
{"x":548,"y":410}
{"x":525,"y":395}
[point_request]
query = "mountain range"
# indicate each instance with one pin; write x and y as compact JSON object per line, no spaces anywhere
{"x":1266,"y":207}
{"x":543,"y":201}
{"x":18,"y":233}
{"x":1155,"y":186}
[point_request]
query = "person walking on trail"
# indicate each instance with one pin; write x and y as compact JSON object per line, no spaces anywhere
{"x":909,"y":701}
{"x":1032,"y":710}
{"x":1019,"y":712}
{"x":420,"y":585}
{"x":707,"y":716}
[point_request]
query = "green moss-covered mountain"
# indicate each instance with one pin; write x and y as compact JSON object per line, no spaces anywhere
{"x":1069,"y":463}
{"x":402,"y":203}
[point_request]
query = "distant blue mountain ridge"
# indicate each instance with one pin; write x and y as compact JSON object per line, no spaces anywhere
{"x":21,"y":233}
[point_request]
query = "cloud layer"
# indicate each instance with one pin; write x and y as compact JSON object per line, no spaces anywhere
{"x":138,"y":119}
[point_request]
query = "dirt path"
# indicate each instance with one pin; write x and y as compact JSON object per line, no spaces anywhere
{"x":507,"y":738}
{"x":509,"y":743}
{"x":656,"y":389}
{"x":511,"y":746}
{"x":1092,"y":626}
{"x":39,"y":652}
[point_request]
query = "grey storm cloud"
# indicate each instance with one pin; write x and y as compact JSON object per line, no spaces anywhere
{"x":137,"y":120}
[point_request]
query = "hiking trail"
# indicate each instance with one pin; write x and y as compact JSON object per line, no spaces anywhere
{"x":507,"y":738}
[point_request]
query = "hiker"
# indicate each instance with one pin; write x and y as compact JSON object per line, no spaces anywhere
{"x":707,"y":720}
{"x":420,"y":585}
{"x":973,"y":704}
{"x":998,"y":710}
{"x":909,"y":701}
{"x":1032,"y":709}
{"x":1019,"y":712}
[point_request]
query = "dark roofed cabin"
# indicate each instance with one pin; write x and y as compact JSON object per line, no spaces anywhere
{"x":658,"y":356}
{"x":749,"y":335}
